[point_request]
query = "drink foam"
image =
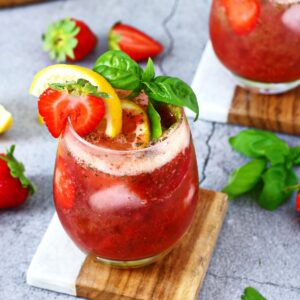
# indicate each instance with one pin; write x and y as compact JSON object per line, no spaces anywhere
{"x":128,"y":163}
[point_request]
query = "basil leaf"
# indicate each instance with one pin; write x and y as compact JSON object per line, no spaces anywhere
{"x":119,"y":69}
{"x":149,"y":72}
{"x":156,"y":130}
{"x":172,"y":90}
{"x":260,"y":144}
{"x":294,"y":156}
{"x":251,"y":293}
{"x":275,"y":181}
{"x":245,"y":178}
{"x":291,"y":180}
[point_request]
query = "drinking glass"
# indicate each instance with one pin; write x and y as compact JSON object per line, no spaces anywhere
{"x":126,"y":208}
{"x":264,"y":57}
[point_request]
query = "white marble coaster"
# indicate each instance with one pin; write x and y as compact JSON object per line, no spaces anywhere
{"x":57,"y":261}
{"x":214,"y":88}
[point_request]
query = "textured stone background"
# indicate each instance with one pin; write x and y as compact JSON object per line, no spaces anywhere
{"x":255,"y":247}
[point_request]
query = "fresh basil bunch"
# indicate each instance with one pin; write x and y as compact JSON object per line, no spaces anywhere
{"x":124,"y":73}
{"x":251,"y":293}
{"x":269,"y":174}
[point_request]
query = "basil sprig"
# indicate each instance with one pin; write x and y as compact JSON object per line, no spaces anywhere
{"x":124,"y":73}
{"x":251,"y":293}
{"x":270,"y":174}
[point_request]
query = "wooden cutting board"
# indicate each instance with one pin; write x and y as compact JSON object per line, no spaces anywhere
{"x":58,"y":265}
{"x":279,"y":113}
{"x":7,"y":3}
{"x":220,"y":100}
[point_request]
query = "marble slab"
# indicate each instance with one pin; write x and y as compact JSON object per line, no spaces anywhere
{"x":214,"y":88}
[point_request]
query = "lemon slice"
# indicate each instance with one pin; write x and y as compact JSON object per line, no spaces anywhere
{"x":6,"y":119}
{"x":61,"y":73}
{"x":136,"y":126}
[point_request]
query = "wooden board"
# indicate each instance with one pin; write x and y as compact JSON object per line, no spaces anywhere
{"x":7,"y":3}
{"x":271,"y":112}
{"x":178,"y":276}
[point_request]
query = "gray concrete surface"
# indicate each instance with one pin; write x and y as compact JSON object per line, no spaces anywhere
{"x":255,"y":247}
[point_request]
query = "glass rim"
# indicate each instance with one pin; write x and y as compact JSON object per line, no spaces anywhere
{"x":115,"y":151}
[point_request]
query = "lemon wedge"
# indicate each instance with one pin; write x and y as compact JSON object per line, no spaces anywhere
{"x":136,"y":125}
{"x":62,"y":73}
{"x":6,"y":119}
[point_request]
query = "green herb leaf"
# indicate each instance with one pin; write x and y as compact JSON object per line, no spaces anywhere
{"x":156,"y":130}
{"x":17,"y":169}
{"x":119,"y":69}
{"x":275,"y":181}
{"x":149,"y":72}
{"x":291,"y":180}
{"x":260,"y":144}
{"x":294,"y":156}
{"x":251,"y":293}
{"x":172,"y":90}
{"x":245,"y":178}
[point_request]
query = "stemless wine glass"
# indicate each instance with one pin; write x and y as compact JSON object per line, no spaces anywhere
{"x":127,"y":208}
{"x":259,"y":44}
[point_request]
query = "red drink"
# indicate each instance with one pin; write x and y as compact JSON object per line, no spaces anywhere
{"x":265,"y":55}
{"x":127,"y":207}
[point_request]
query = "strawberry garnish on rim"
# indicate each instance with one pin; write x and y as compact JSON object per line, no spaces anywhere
{"x":242,"y":14}
{"x":78,"y":100}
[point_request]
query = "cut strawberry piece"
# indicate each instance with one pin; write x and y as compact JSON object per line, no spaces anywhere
{"x":133,"y":42}
{"x":64,"y":187}
{"x":298,"y":202}
{"x":85,"y":111}
{"x":242,"y":14}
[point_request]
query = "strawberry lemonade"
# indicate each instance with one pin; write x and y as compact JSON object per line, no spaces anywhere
{"x":125,"y":194}
{"x":258,"y":41}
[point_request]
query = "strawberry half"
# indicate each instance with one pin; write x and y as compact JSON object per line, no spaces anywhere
{"x":64,"y":187}
{"x":14,"y":185}
{"x":298,"y":202}
{"x":78,"y":100}
{"x":137,"y":44}
{"x":242,"y":14}
{"x":69,"y":39}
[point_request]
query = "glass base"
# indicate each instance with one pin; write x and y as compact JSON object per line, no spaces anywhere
{"x":265,"y":88}
{"x":132,"y":264}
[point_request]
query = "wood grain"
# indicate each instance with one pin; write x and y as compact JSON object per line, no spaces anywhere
{"x":271,"y":112}
{"x":178,"y":276}
{"x":7,"y":3}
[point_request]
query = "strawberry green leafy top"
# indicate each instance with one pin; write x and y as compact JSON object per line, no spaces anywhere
{"x":60,"y":39}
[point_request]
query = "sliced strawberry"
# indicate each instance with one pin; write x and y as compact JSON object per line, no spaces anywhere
{"x":64,"y":187}
{"x":298,"y":202}
{"x":242,"y":14}
{"x":85,"y":111}
{"x":133,"y":42}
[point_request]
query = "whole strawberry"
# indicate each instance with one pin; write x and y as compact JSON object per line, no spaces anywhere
{"x":14,"y":186}
{"x":135,"y":43}
{"x":69,"y":40}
